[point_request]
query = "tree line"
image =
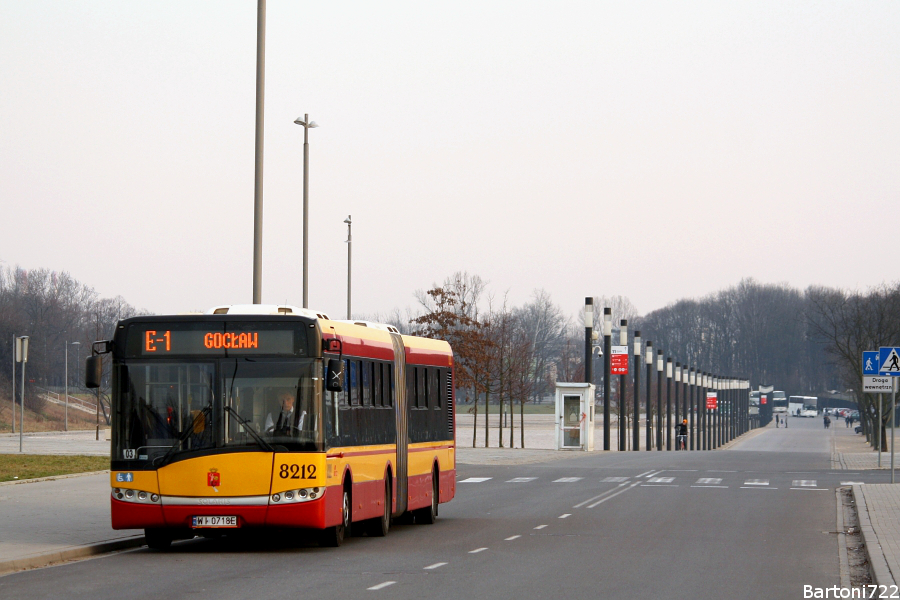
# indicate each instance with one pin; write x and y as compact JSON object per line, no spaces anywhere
{"x":804,"y":342}
{"x":54,"y":310}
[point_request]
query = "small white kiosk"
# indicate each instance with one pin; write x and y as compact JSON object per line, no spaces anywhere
{"x":575,"y":416}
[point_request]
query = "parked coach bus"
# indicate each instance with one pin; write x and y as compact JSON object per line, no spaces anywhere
{"x":275,"y":416}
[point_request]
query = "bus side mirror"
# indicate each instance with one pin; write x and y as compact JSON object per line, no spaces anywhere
{"x":335,"y":381}
{"x":93,"y":372}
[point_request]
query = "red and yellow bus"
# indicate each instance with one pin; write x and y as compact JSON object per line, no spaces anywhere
{"x":275,"y":416}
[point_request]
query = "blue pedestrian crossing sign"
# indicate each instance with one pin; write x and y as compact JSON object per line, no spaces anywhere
{"x":870,"y":362}
{"x":889,"y":359}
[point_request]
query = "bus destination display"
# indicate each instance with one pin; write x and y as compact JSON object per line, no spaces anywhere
{"x":170,"y":341}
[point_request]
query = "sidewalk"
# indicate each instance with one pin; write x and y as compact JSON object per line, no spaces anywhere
{"x":851,"y":451}
{"x":57,"y":442}
{"x":878,"y":507}
{"x":55,"y":520}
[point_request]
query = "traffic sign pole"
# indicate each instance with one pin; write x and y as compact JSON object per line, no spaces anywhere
{"x":878,"y":430}
{"x":893,"y":421}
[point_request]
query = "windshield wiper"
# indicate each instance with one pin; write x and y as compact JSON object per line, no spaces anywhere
{"x":201,"y":416}
{"x":266,"y":445}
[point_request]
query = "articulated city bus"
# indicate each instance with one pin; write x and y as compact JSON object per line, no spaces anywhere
{"x":275,"y":416}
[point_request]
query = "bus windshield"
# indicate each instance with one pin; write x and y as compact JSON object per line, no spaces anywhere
{"x":172,"y":410}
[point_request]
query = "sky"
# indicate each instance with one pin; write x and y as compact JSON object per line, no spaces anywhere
{"x":654,"y":150}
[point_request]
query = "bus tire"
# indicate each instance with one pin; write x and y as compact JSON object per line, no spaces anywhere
{"x":428,"y":515}
{"x":158,"y":539}
{"x":379,"y":526}
{"x":332,"y":537}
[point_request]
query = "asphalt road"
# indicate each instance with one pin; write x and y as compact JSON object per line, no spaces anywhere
{"x":755,"y":521}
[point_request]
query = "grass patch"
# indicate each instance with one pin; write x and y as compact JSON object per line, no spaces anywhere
{"x":30,"y":466}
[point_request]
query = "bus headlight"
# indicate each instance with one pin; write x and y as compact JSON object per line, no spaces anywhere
{"x":298,"y":495}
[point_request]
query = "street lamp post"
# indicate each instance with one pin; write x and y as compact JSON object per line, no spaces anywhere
{"x":647,"y":401}
{"x":348,"y":221}
{"x":258,"y":162}
{"x":22,"y":357}
{"x":623,"y":341}
{"x":607,"y":349}
{"x":659,"y":374}
{"x":307,"y":125}
{"x":636,"y":428}
{"x":677,"y":377}
{"x":694,"y":414}
{"x":588,"y":339}
{"x":669,"y":374}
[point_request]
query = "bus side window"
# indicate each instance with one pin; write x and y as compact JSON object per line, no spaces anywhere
{"x":388,"y":381}
{"x":434,"y":390}
{"x":421,"y":398}
{"x":376,"y":384}
{"x":366,"y":382}
{"x":354,"y":383}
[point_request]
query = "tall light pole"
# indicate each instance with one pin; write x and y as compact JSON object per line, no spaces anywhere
{"x":623,"y":341}
{"x":607,"y":349}
{"x":348,"y":221}
{"x":260,"y":121}
{"x":636,"y":403}
{"x":649,"y":403}
{"x":67,"y":379}
{"x":307,"y":124}
{"x":588,"y":339}
{"x":22,"y":357}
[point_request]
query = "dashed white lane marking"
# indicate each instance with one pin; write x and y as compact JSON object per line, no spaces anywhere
{"x":513,"y":537}
{"x":803,"y":483}
{"x":540,"y":526}
{"x":477,"y":550}
{"x":521,"y":479}
{"x":565,"y":516}
{"x":810,"y":489}
{"x":757,"y":482}
{"x":475,"y":479}
{"x":434,"y":566}
{"x":644,"y":473}
{"x":614,"y":479}
{"x":661,"y":480}
{"x":613,"y":495}
{"x":853,"y":483}
{"x":568,"y":480}
{"x":651,"y":473}
{"x":719,"y":471}
{"x":757,"y":487}
{"x":659,"y":485}
{"x":682,"y":470}
{"x":724,"y":487}
{"x":709,"y":481}
{"x":381,"y":585}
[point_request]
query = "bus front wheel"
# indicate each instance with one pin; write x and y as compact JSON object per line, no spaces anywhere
{"x":332,"y":537}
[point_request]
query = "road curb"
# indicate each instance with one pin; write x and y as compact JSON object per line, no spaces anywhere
{"x":52,"y":478}
{"x":881,"y":573}
{"x":51,"y":558}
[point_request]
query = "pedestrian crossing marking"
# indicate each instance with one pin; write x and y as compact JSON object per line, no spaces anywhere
{"x":476,"y":479}
{"x":803,"y":483}
{"x":521,"y":479}
{"x":853,"y":483}
{"x":614,"y":479}
{"x":661,"y":480}
{"x":709,"y":481}
{"x":568,"y":479}
{"x":757,"y":482}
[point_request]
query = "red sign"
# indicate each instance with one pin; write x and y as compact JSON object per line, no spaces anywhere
{"x":618,"y":360}
{"x":712,"y":401}
{"x":762,"y":399}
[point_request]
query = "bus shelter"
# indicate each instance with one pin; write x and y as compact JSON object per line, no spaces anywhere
{"x":575,"y":416}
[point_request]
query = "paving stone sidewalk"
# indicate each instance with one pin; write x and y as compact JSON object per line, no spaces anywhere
{"x":878,"y":507}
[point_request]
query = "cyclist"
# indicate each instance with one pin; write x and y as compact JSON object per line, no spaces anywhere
{"x":681,"y":432}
